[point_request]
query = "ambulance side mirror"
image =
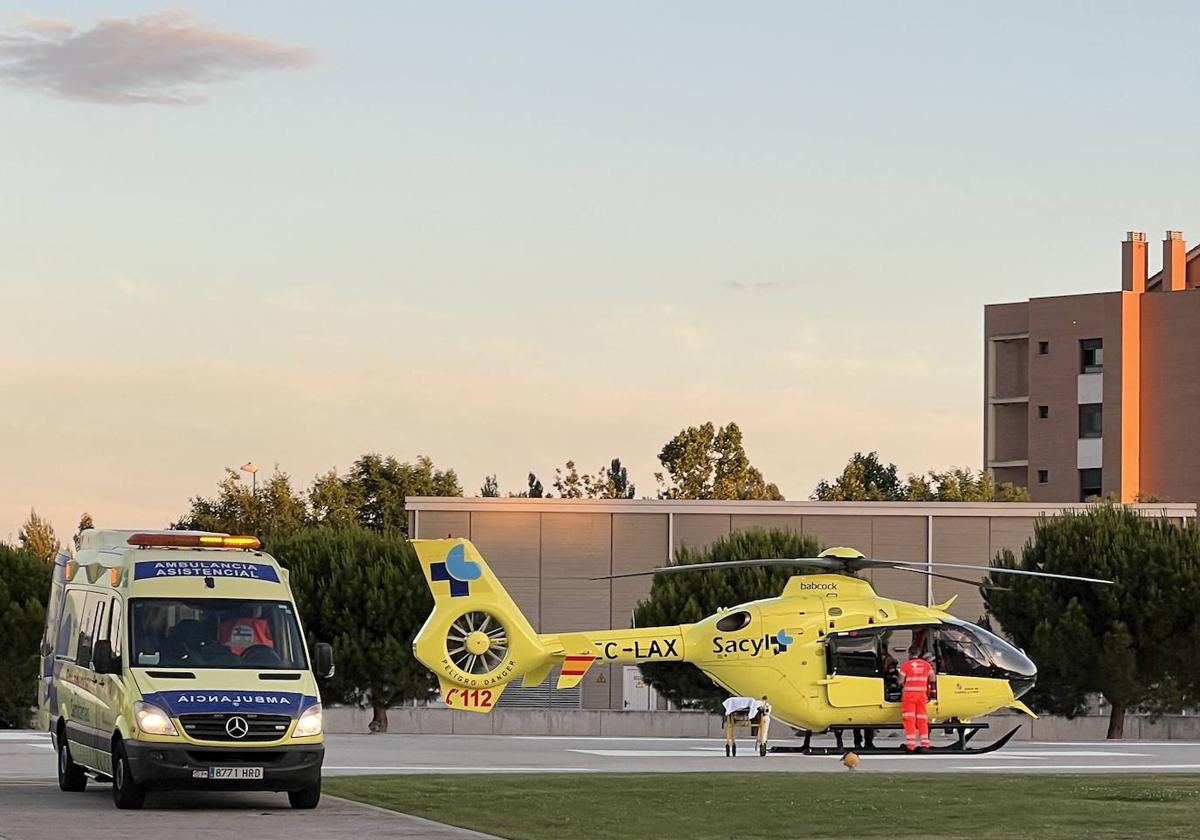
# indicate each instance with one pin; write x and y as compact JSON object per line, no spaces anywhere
{"x":103,"y":660}
{"x":323,"y":660}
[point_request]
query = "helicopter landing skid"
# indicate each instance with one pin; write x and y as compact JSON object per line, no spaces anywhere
{"x":864,"y":737}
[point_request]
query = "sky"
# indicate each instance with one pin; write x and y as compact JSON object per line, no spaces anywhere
{"x":508,"y":235}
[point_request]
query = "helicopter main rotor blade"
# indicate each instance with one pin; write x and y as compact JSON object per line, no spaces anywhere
{"x":848,"y":564}
{"x":989,"y":569}
{"x":983,"y":583}
{"x":827,"y":563}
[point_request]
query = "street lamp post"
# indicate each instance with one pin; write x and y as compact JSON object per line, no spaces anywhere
{"x":252,"y":468}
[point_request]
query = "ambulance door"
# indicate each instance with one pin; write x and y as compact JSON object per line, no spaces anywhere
{"x":47,"y":695}
{"x":63,"y":691}
{"x":855,"y":677}
{"x":108,"y":689}
{"x":87,"y":712}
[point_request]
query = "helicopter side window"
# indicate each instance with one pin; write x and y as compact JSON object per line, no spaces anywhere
{"x":854,"y":655}
{"x":734,"y":622}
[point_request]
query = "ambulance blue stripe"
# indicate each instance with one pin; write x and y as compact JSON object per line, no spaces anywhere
{"x":149,"y":569}
{"x":228,"y":700}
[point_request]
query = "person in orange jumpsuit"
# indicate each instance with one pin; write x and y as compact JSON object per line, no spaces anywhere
{"x":916,"y":675}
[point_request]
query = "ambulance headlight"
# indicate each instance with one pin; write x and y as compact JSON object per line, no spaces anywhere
{"x":309,"y":723}
{"x":152,"y":720}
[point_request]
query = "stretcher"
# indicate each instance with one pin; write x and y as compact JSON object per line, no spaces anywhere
{"x":746,"y":712}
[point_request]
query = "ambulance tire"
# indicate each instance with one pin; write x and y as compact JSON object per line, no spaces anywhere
{"x":127,"y":794}
{"x":306,"y":798}
{"x":71,"y":776}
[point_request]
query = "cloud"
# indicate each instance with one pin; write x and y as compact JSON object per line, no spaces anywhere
{"x":760,"y":287}
{"x":168,"y":58}
{"x":298,"y":299}
{"x":34,"y":24}
{"x":137,"y":290}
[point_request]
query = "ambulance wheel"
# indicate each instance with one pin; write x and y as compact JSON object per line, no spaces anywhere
{"x":71,"y":777}
{"x":306,"y":798}
{"x":127,"y":794}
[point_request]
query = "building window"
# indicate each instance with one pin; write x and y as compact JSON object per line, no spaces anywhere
{"x":1091,"y":355}
{"x":1043,"y":412}
{"x":1089,"y":484}
{"x":1091,"y":420}
{"x":1043,"y":476}
{"x":1043,"y":348}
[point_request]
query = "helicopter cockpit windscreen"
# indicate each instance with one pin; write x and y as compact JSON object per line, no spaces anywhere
{"x":969,"y":650}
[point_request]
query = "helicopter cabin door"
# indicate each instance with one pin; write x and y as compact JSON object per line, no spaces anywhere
{"x":854,"y":667}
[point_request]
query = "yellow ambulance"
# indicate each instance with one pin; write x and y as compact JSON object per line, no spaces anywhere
{"x":176,"y":659}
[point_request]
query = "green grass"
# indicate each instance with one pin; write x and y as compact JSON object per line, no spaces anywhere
{"x":720,"y":806}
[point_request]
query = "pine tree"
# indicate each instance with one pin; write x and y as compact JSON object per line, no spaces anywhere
{"x":24,"y":587}
{"x":1133,"y":642}
{"x":363,"y":592}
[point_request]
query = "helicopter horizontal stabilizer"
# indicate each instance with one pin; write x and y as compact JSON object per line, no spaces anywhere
{"x":574,"y":669}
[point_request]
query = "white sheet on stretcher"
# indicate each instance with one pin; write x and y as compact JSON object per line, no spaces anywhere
{"x":749,"y":705}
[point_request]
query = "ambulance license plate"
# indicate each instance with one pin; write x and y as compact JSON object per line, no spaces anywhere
{"x":236,"y":773}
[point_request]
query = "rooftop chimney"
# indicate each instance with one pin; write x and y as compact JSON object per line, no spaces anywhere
{"x":1134,"y":262}
{"x":1174,"y":270}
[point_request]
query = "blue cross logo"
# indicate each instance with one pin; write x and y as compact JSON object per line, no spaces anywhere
{"x":458,"y":570}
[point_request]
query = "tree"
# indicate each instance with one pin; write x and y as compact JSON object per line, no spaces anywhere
{"x":533,"y":490}
{"x":379,"y":484}
{"x":1133,"y":642}
{"x":706,"y":462}
{"x":85,"y":523}
{"x":865,"y":478}
{"x":612,"y":482}
{"x":363,"y":592}
{"x":490,"y":488}
{"x":275,"y":507}
{"x":962,"y":485}
{"x":332,"y":501}
{"x":570,"y":484}
{"x":24,"y":587}
{"x":682,"y":598}
{"x":37,"y":537}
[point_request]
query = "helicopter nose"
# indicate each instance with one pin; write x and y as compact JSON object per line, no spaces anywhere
{"x":1023,"y":677}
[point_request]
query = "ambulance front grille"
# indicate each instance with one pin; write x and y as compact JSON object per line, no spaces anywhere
{"x":212,"y":727}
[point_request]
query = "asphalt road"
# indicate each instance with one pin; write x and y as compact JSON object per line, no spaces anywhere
{"x":32,"y":807}
{"x":28,"y":756}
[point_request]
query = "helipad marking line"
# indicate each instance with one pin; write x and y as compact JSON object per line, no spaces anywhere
{"x":644,"y":753}
{"x":1078,"y":767}
{"x":24,"y":736}
{"x":40,"y":746}
{"x":1113,"y":744}
{"x":451,"y":768}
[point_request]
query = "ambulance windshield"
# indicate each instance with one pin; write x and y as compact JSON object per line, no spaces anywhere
{"x":215,"y":633}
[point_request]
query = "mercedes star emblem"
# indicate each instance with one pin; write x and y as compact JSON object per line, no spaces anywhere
{"x":237,"y":727}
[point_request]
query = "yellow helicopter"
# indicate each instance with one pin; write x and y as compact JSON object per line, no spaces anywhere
{"x":821,"y":650}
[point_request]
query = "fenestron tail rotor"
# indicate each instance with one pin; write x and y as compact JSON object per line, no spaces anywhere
{"x":477,"y":642}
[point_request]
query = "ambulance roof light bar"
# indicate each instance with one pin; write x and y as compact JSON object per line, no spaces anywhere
{"x":183,"y":540}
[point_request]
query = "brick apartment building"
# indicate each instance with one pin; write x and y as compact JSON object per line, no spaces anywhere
{"x":1099,"y":393}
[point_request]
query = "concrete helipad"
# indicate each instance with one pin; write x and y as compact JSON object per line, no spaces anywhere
{"x":28,"y":756}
